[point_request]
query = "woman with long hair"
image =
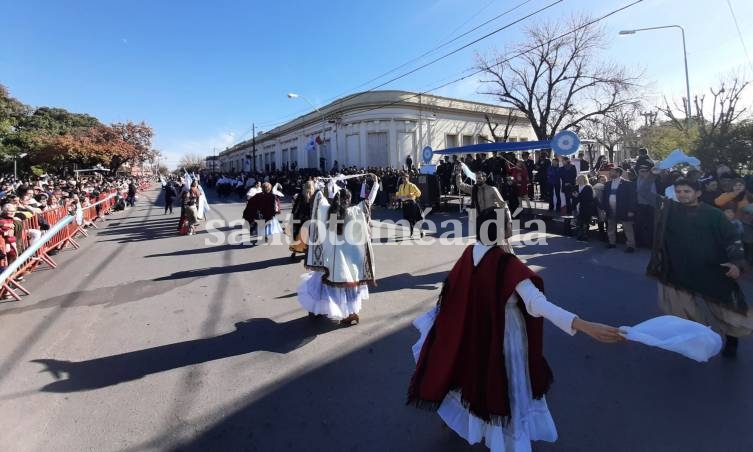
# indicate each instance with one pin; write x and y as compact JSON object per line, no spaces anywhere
{"x":408,"y":193}
{"x":301,"y":214}
{"x":340,"y":256}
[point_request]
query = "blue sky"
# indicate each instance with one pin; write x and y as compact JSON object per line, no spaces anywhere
{"x":201,"y":72}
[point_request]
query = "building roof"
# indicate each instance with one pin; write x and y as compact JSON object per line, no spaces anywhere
{"x":373,"y":101}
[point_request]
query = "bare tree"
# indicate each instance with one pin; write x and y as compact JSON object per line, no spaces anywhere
{"x":508,"y":121}
{"x":554,"y":79}
{"x":613,"y":129}
{"x":716,"y":118}
{"x":192,"y":162}
{"x":715,"y":121}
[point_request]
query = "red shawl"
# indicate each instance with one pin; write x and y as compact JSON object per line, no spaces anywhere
{"x":261,"y":206}
{"x":464,"y":349}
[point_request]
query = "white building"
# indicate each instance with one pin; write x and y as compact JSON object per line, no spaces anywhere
{"x":375,"y":129}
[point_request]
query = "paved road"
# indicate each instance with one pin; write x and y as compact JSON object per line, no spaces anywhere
{"x":144,"y":340}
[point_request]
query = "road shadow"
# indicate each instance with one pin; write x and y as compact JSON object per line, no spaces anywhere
{"x":203,"y":250}
{"x":131,"y":231}
{"x":104,"y":296}
{"x":250,"y":336}
{"x":208,"y":271}
{"x":357,"y":401}
{"x":402,"y":281}
{"x":353,"y":403}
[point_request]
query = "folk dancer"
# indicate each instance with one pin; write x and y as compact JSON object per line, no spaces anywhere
{"x":262,"y":207}
{"x":480,"y":361}
{"x":340,"y":256}
{"x":483,"y":196}
{"x":301,"y":214}
{"x":408,"y":193}
{"x":697,"y":259}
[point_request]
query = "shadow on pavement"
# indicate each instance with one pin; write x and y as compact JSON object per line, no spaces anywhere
{"x":354,"y":403}
{"x":247,"y":267}
{"x":204,"y":250}
{"x":249,"y":336}
{"x":104,"y":296}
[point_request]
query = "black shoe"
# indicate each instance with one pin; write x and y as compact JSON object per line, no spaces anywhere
{"x":730,"y":347}
{"x":630,"y":249}
{"x":610,"y":246}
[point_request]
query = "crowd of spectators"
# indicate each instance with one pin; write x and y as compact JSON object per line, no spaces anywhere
{"x":36,"y":197}
{"x":601,"y":195}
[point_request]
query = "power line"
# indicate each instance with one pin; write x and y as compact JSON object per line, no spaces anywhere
{"x":423,"y":66}
{"x":444,"y":44}
{"x":522,"y":52}
{"x":739,"y":33}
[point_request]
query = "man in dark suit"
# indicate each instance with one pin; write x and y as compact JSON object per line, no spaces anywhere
{"x":568,"y":173}
{"x":619,"y":200}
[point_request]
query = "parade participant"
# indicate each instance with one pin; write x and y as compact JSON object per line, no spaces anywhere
{"x":340,"y":256}
{"x":407,"y":194}
{"x":697,"y":258}
{"x":520,"y":173}
{"x":188,"y":216}
{"x":254,"y":190}
{"x":170,"y":195}
{"x":584,"y":202}
{"x":301,"y":213}
{"x":480,"y":360}
{"x":261,"y":207}
{"x":484,"y":196}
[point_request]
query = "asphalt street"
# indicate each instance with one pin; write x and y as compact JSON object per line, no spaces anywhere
{"x":146,"y":340}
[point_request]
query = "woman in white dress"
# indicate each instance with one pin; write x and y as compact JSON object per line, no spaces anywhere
{"x":480,"y":361}
{"x":340,"y":256}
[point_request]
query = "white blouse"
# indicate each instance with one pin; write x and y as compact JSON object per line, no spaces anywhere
{"x":534,"y":300}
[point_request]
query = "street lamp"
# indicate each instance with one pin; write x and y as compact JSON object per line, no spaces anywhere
{"x":685,"y":56}
{"x":324,"y":123}
{"x":15,"y":169}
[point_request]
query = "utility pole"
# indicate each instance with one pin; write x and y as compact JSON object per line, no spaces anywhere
{"x":253,"y":144}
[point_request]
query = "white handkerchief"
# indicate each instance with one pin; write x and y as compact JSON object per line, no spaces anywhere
{"x":688,"y":338}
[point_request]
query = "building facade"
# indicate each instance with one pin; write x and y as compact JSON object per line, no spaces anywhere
{"x":374,"y":129}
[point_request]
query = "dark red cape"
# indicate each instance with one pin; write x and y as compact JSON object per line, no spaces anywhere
{"x":260,"y":206}
{"x":464,"y":349}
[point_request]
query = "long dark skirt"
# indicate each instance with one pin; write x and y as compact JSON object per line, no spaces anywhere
{"x":411,"y":212}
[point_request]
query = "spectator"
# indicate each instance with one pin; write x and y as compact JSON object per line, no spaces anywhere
{"x":619,"y":202}
{"x":568,"y":173}
{"x":644,"y":217}
{"x":583,"y":201}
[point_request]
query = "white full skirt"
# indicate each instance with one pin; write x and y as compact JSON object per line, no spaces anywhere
{"x":272,"y":227}
{"x":334,"y":302}
{"x":530,"y":419}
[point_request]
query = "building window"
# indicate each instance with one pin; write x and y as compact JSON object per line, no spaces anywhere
{"x":467,"y":140}
{"x":481,"y":139}
{"x":450,"y":141}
